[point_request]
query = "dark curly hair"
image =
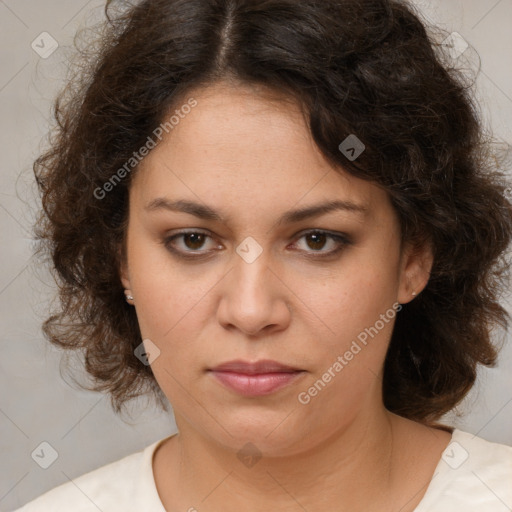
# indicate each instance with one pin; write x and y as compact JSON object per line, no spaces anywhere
{"x":372,"y":68}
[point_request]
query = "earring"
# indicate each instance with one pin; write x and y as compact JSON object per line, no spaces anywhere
{"x":129,"y":297}
{"x":413,"y":294}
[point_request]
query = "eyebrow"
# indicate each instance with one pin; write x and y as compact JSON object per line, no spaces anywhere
{"x":205,"y":212}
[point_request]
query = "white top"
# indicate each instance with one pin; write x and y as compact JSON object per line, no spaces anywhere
{"x":473,"y":475}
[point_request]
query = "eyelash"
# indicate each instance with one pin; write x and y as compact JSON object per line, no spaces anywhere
{"x":341,"y":240}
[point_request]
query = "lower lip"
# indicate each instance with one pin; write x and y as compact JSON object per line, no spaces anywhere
{"x":255,"y":385}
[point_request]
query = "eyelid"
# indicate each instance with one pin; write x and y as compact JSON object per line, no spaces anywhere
{"x":341,"y":239}
{"x":190,"y":256}
{"x":333,"y":234}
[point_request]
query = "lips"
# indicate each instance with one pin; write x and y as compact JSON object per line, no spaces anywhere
{"x":259,"y":367}
{"x":255,"y":379}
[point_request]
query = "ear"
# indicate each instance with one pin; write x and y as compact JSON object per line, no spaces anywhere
{"x":123,"y":268}
{"x":415,"y":266}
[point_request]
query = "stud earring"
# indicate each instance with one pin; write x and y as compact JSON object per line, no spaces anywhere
{"x":413,"y":294}
{"x":129,"y":297}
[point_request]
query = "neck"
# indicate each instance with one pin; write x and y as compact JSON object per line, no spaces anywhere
{"x":350,"y":467}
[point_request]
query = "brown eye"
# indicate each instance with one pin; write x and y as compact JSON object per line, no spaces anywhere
{"x":316,"y":241}
{"x":320,"y":244}
{"x":194,"y":240}
{"x":191,"y":244}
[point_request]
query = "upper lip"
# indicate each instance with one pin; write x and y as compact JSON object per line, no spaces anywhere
{"x":258,"y":367}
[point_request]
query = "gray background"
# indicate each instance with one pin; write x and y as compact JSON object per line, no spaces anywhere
{"x":37,"y":404}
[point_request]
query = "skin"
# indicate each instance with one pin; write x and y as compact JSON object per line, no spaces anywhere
{"x":249,"y":156}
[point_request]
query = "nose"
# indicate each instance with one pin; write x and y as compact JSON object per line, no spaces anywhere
{"x":253,"y":299}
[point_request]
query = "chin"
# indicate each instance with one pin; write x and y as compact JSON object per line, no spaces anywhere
{"x":272,"y":436}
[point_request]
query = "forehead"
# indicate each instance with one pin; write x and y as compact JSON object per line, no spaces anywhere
{"x":242,"y":129}
{"x":241,"y":146}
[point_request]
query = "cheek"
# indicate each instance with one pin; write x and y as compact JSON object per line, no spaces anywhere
{"x":170,"y":306}
{"x":350,"y":299}
{"x":173,"y":311}
{"x":168,"y":294}
{"x":359,"y":313}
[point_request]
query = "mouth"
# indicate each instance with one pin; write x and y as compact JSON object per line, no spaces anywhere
{"x":255,"y":379}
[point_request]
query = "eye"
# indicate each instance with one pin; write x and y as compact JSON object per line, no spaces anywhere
{"x":316,"y":241}
{"x":190,"y":243}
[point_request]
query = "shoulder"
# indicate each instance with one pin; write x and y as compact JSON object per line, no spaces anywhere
{"x":117,"y":486}
{"x":474,"y":474}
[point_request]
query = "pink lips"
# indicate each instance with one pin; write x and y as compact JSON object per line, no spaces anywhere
{"x":255,"y":379}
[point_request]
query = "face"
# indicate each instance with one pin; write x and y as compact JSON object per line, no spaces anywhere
{"x":245,"y":245}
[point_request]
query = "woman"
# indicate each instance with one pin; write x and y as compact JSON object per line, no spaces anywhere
{"x":280,"y":217}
